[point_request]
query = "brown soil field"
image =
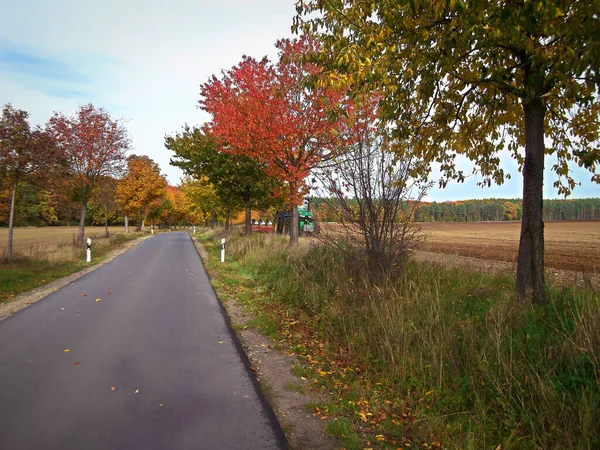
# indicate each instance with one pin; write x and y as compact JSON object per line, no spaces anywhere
{"x":569,"y":245}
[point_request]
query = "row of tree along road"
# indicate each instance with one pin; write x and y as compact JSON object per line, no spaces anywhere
{"x":78,"y":164}
{"x":361,"y":107}
{"x":373,"y":95}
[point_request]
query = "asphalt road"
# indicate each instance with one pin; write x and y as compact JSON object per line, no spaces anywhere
{"x":152,"y":365}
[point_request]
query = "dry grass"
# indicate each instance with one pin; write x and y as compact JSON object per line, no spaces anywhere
{"x":53,"y":244}
{"x":442,"y":358}
{"x":569,"y":245}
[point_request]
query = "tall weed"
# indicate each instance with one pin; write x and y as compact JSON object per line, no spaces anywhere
{"x":483,"y":370}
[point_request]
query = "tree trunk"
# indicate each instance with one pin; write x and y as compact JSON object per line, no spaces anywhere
{"x":106,"y":233}
{"x":126,"y":223}
{"x":248,"y":219}
{"x":9,"y":250}
{"x":294,"y":221}
{"x":530,"y":266}
{"x":144,"y":220}
{"x":81,"y":232}
{"x":213,"y":221}
{"x":227,"y":217}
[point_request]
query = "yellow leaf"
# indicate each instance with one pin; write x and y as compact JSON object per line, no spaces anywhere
{"x":362,"y":416}
{"x":113,"y":388}
{"x":137,"y":391}
{"x":97,"y":300}
{"x":67,"y":350}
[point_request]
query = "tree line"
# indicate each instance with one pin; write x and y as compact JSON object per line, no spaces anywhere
{"x":506,"y":209}
{"x":371,"y":96}
{"x":76,"y":170}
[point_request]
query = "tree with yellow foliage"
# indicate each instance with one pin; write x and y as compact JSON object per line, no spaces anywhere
{"x":141,"y":189}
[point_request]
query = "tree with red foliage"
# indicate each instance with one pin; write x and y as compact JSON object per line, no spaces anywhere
{"x":26,"y":155}
{"x":265,"y":111}
{"x":94,"y":145}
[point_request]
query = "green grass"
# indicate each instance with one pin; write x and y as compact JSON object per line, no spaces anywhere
{"x":439,"y":358}
{"x":22,"y":274}
{"x":343,"y":429}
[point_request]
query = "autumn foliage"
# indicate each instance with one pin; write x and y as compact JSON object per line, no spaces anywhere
{"x":94,"y":145}
{"x":141,"y":189}
{"x":264,"y":110}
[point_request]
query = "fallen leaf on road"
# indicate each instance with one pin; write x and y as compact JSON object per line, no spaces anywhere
{"x":220,"y":342}
{"x":76,"y":363}
{"x":137,"y":391}
{"x":83,"y":295}
{"x":252,"y":369}
{"x":109,"y":292}
{"x":160,"y":404}
{"x":66,"y":350}
{"x":63,"y":309}
{"x":113,"y":388}
{"x":27,"y":303}
{"x":97,"y":300}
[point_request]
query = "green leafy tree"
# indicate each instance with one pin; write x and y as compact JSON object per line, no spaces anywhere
{"x":238,"y":181}
{"x":474,"y":78}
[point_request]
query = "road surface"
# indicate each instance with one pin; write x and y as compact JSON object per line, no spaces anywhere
{"x":152,"y":364}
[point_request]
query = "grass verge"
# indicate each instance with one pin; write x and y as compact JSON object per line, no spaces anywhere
{"x":21,"y":274}
{"x":442,"y":358}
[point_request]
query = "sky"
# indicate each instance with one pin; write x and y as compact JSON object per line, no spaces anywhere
{"x":143,"y":61}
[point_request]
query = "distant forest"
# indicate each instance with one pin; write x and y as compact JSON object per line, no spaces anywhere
{"x":37,"y":207}
{"x":495,"y":209}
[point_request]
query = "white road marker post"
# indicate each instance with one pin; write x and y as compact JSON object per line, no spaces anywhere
{"x":89,"y":250}
{"x":194,"y":229}
{"x":223,"y":250}
{"x":151,"y":229}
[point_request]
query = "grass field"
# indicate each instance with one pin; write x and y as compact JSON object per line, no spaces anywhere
{"x":570,"y":245}
{"x":45,"y":254}
{"x":48,"y":242}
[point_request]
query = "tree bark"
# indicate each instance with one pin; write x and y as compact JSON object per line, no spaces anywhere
{"x":227,"y":217}
{"x":248,"y":219}
{"x":11,"y":220}
{"x":144,"y":217}
{"x":530,"y":265}
{"x":106,"y":233}
{"x":213,"y":221}
{"x":81,"y":232}
{"x":294,"y":221}
{"x":126,"y":223}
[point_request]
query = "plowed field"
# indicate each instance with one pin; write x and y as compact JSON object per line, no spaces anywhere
{"x":569,"y":245}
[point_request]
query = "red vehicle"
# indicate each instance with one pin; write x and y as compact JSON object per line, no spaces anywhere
{"x":262,"y":226}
